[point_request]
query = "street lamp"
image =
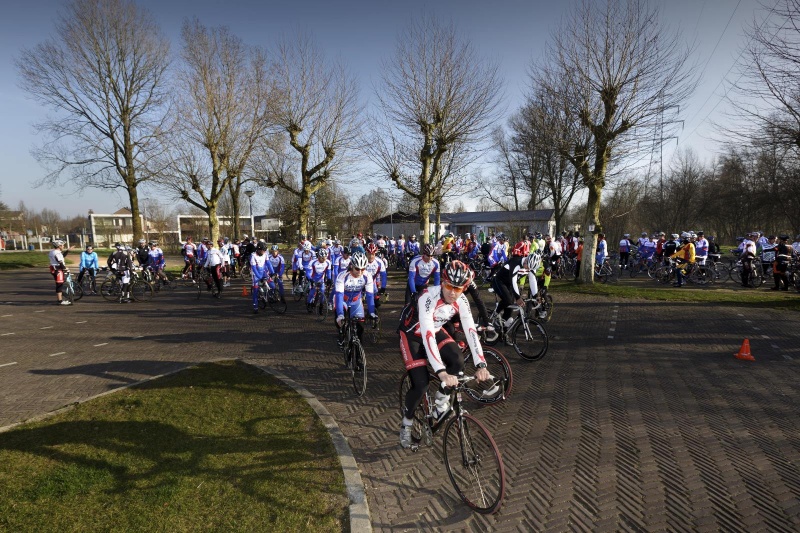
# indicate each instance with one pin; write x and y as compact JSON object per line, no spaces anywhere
{"x":250,"y":193}
{"x":144,"y":211}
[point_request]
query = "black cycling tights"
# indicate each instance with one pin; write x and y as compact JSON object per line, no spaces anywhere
{"x":452,"y":358}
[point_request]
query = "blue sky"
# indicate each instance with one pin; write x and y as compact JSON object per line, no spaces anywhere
{"x":362,"y":33}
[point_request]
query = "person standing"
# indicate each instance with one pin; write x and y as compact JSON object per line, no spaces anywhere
{"x":624,"y":251}
{"x":748,"y":256}
{"x":781,"y":265}
{"x":213,"y":264}
{"x":58,"y":268}
{"x":121,"y":265}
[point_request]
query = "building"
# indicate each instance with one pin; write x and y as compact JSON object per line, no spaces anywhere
{"x":106,"y":229}
{"x":513,"y":223}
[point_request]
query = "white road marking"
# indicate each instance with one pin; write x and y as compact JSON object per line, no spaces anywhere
{"x":55,"y":354}
{"x":101,"y":344}
{"x":749,"y":321}
{"x":612,"y":329}
{"x":764,"y":337}
{"x":7,"y":315}
{"x":9,"y":364}
{"x":611,"y":336}
{"x":81,"y":322}
{"x":5,"y":334}
{"x":788,"y":357}
{"x":139,"y":337}
{"x":39,"y":311}
{"x":775,"y":346}
{"x":46,"y":327}
{"x":740,"y":314}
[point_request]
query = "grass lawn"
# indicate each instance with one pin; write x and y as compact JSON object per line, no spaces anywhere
{"x":14,"y":260}
{"x":219,"y":447}
{"x":760,"y":297}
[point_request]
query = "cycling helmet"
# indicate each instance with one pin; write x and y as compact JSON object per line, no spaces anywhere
{"x":626,"y":235}
{"x":401,"y":236}
{"x":58,"y":243}
{"x":685,"y":235}
{"x":701,"y":233}
{"x":427,"y":250}
{"x":360,"y":235}
{"x":371,"y":248}
{"x":273,"y":248}
{"x":337,"y":242}
{"x":532,"y":262}
{"x":262,"y":246}
{"x":354,"y":243}
{"x":302,"y":238}
{"x":359,"y":261}
{"x":520,"y":249}
{"x":142,"y":241}
{"x":153,"y":243}
{"x":644,"y":234}
{"x":500,"y":236}
{"x":345,"y":250}
{"x":322,"y":253}
{"x":457,"y":274}
{"x":119,"y":246}
{"x":674,"y":235}
{"x":307,"y":246}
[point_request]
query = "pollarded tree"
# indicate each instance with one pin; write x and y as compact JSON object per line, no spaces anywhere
{"x":318,"y":116}
{"x":436,"y":94}
{"x":618,"y":74}
{"x":104,"y":76}
{"x":222,"y":115}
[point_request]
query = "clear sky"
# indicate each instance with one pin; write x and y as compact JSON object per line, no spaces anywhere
{"x":362,"y":33}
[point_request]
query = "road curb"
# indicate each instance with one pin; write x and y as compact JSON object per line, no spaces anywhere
{"x":359,"y":509}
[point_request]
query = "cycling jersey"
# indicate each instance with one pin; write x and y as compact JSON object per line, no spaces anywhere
{"x":701,"y":247}
{"x":336,"y":253}
{"x":88,"y":261}
{"x":401,"y":245}
{"x":278,"y":264}
{"x":304,"y":261}
{"x":498,"y":254}
{"x":648,"y":249}
{"x":347,"y":292}
{"x":624,"y":246}
{"x":296,"y":257}
{"x":341,"y":265}
{"x":412,"y":247}
{"x":56,"y":258}
{"x":600,"y":255}
{"x":142,"y":255}
{"x":319,"y":270}
{"x":377,"y":270}
{"x":213,"y":258}
{"x":424,"y":320}
{"x":189,"y":249}
{"x":202,"y":253}
{"x":420,"y":273}
{"x":155,"y":258}
{"x":260,"y":267}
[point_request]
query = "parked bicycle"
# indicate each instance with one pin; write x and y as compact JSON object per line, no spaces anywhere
{"x":471,"y":458}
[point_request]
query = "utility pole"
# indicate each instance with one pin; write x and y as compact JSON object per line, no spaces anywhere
{"x":250,"y":193}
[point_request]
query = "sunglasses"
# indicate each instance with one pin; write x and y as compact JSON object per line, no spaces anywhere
{"x":450,"y":287}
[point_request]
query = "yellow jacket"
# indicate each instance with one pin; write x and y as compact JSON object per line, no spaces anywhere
{"x":686,"y":252}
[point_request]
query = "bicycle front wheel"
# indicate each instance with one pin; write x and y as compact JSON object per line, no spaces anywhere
{"x":110,"y":290}
{"x":275,"y":302}
{"x":78,"y":291}
{"x":474,"y":464}
{"x":141,"y":291}
{"x":358,"y":367}
{"x":496,"y":389}
{"x":530,"y":343}
{"x":375,"y":330}
{"x":68,"y":293}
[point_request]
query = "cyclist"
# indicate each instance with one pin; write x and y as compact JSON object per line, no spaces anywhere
{"x":356,"y":245}
{"x":400,"y":251}
{"x":423,"y":340}
{"x":685,"y":254}
{"x":498,"y":254}
{"x":347,"y":292}
{"x":224,"y":250}
{"x":420,"y":271}
{"x":506,"y":283}
{"x":602,"y":250}
{"x":156,"y":261}
{"x":318,"y":271}
{"x":278,"y":266}
{"x":188,"y":252}
{"x":89,"y":265}
{"x":260,"y":269}
{"x":336,"y":251}
{"x":412,"y":247}
{"x":304,"y":259}
{"x":780,"y":267}
{"x":554,"y":251}
{"x":748,"y":256}
{"x":701,"y":248}
{"x":142,"y":253}
{"x":377,"y":269}
{"x":298,"y":251}
{"x":343,"y":263}
{"x":624,"y":250}
{"x":58,"y":268}
{"x":213,"y":265}
{"x":121,"y":265}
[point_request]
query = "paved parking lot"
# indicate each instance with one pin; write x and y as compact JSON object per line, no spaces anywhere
{"x":639,"y":418}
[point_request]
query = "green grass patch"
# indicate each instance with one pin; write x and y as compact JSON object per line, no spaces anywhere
{"x":219,"y":447}
{"x":15,"y":260}
{"x":711,"y":295}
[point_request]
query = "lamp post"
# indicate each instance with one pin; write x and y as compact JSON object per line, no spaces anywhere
{"x":250,"y":193}
{"x":144,"y":211}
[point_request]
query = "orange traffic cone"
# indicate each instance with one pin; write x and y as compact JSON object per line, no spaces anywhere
{"x":245,"y":293}
{"x":744,"y":352}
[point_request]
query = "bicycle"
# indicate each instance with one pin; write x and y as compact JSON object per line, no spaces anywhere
{"x":354,"y":356}
{"x":526,"y":334}
{"x":320,"y":302}
{"x":270,"y":297}
{"x":111,"y":289}
{"x":70,"y":291}
{"x":471,"y":458}
{"x":205,"y":280}
{"x":159,"y":281}
{"x":301,"y":289}
{"x":605,"y":272}
{"x":88,"y":282}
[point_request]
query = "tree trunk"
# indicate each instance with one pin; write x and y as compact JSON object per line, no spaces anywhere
{"x":438,"y":221}
{"x":234,"y":188}
{"x":303,"y":210}
{"x":425,"y":220}
{"x":133,"y":196}
{"x":590,"y":238}
{"x":213,"y":222}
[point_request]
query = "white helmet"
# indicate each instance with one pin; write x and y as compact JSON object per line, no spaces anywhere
{"x":532,"y":261}
{"x":359,"y":260}
{"x":307,"y":246}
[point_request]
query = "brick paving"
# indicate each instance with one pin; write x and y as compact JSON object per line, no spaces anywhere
{"x":638,"y":419}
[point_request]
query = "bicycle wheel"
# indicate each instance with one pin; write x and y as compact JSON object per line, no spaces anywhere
{"x":321,"y":305}
{"x":141,"y":291}
{"x":474,"y":464}
{"x":493,"y":390}
{"x":701,"y":275}
{"x":275,"y":303}
{"x":68,"y":293}
{"x":374,"y":330}
{"x":756,"y":280}
{"x":263,"y":299}
{"x":245,"y":271}
{"x":358,"y":367}
{"x":530,"y":347}
{"x":722,"y":273}
{"x":420,"y":429}
{"x":86,"y":284}
{"x":736,"y":276}
{"x":110,"y":290}
{"x":77,"y":291}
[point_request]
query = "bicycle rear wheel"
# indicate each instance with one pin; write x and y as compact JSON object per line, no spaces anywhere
{"x":493,"y":390}
{"x":530,"y":347}
{"x":141,"y":291}
{"x":474,"y":464}
{"x":110,"y":290}
{"x":358,"y":367}
{"x":78,"y":291}
{"x":275,"y":303}
{"x":68,"y":293}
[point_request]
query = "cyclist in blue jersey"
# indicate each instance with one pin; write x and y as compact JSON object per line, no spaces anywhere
{"x":335,"y":251}
{"x":156,"y":261}
{"x":89,"y":265}
{"x":295,"y":261}
{"x":278,"y":266}
{"x":202,"y":251}
{"x":188,"y":251}
{"x":421,"y":271}
{"x":602,"y":250}
{"x":412,"y":246}
{"x":343,"y":263}
{"x":347,"y":293}
{"x":356,"y":246}
{"x":318,"y":271}
{"x":377,"y":269}
{"x":260,"y":269}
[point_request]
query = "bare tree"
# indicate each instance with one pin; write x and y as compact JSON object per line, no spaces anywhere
{"x":436,"y":93}
{"x":222,"y":115}
{"x":103,"y":76}
{"x":516,"y":183}
{"x":319,"y":117}
{"x":617,"y":73}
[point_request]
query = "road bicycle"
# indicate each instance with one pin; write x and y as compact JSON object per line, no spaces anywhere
{"x":483,"y":272}
{"x":605,"y":273}
{"x":87,"y":282}
{"x":70,"y":291}
{"x":300,"y":290}
{"x":354,"y":356}
{"x":162,"y":281}
{"x":471,"y":458}
{"x":319,"y":305}
{"x":111,"y":289}
{"x":205,"y":283}
{"x":270,"y":297}
{"x":526,"y":334}
{"x":756,"y":276}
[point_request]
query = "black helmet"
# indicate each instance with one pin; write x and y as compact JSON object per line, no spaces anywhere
{"x":427,"y":250}
{"x":261,"y":246}
{"x":346,"y":250}
{"x":457,"y":274}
